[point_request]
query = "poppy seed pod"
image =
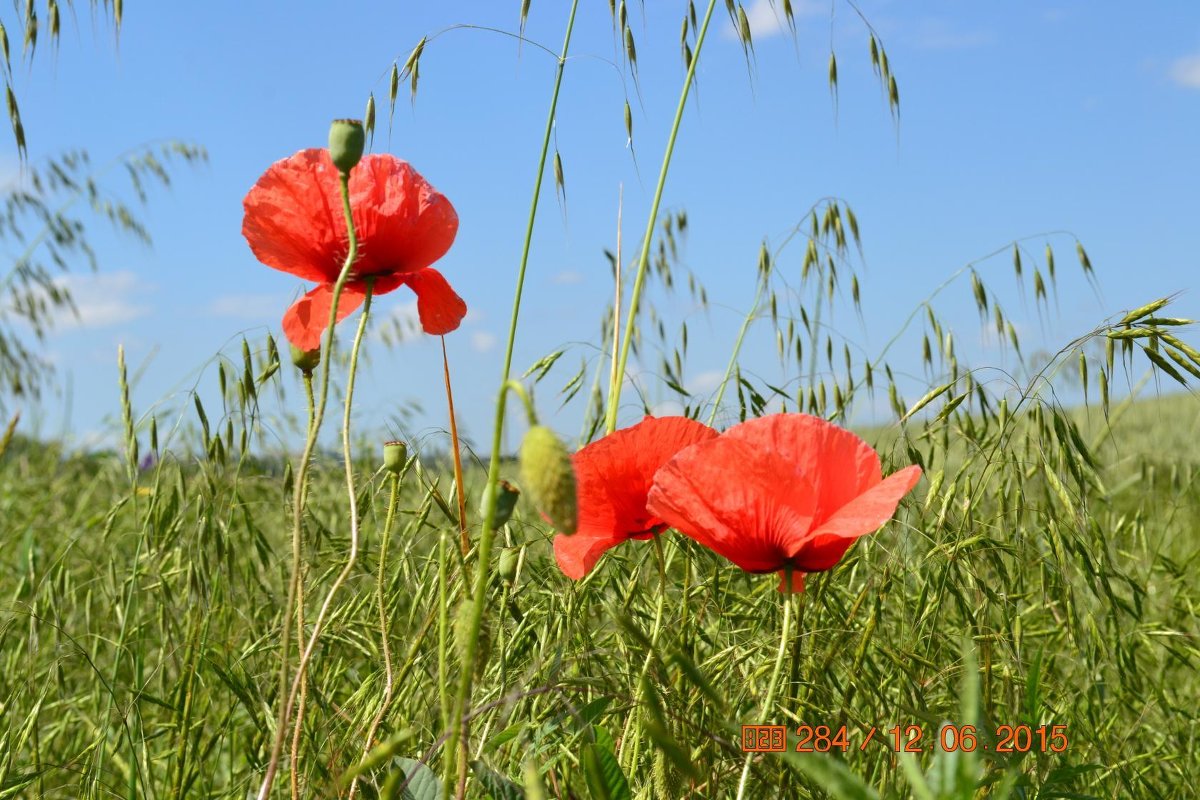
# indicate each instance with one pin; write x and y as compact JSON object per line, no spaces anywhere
{"x":395,"y":456}
{"x":548,"y":476}
{"x":347,"y":140}
{"x":506,"y":498}
{"x":306,"y":360}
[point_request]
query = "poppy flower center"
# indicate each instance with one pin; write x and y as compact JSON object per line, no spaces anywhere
{"x":649,"y":528}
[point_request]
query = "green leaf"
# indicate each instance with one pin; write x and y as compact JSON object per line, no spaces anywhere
{"x":378,"y":756}
{"x":422,"y":783}
{"x":495,"y":784}
{"x":603,"y":774}
{"x":832,"y":775}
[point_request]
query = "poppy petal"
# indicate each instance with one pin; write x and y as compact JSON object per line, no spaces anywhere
{"x":797,"y":584}
{"x":612,"y":478}
{"x":403,"y":223}
{"x":293,"y":218}
{"x":746,"y":504}
{"x":577,"y":554}
{"x":305,"y":322}
{"x":864,"y":514}
{"x":440,"y":308}
{"x":840,"y":464}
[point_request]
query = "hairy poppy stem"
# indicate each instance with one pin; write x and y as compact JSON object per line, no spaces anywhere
{"x":286,"y":697}
{"x":459,"y":723}
{"x":298,"y":729}
{"x":785,"y":630}
{"x":614,"y":397}
{"x":352,"y":556}
{"x":384,"y":632}
{"x":659,"y":604}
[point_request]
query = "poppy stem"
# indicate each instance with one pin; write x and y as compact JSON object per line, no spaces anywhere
{"x":458,"y":470}
{"x":297,"y":730}
{"x":384,"y":634}
{"x":352,"y":556}
{"x":530,"y":412}
{"x":768,"y":707}
{"x":659,"y":604}
{"x":286,"y":698}
{"x":614,"y":397}
{"x":460,"y":722}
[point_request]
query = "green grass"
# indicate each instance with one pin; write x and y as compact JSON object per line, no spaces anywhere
{"x":1043,"y":574}
{"x":1084,"y":621}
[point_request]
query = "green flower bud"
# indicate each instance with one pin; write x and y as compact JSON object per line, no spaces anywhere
{"x":395,"y":456}
{"x":346,"y":143}
{"x":306,"y":360}
{"x":509,"y":557}
{"x":548,"y":476}
{"x":506,"y":498}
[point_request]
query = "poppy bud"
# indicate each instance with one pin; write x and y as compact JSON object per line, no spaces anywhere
{"x":306,"y":360}
{"x":509,"y":557}
{"x":506,"y":497}
{"x":395,"y":456}
{"x":346,"y":143}
{"x":548,"y":476}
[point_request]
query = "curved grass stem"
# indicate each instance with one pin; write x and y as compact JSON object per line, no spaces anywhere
{"x":459,"y":722}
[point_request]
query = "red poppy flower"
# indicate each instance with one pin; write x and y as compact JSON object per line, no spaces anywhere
{"x":294,"y":223}
{"x":612,"y":477}
{"x":788,"y":490}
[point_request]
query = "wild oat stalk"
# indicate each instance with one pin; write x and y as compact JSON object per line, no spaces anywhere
{"x":459,"y":724}
{"x":614,"y":390}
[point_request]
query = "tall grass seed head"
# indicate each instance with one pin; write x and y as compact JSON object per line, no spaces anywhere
{"x":462,"y":631}
{"x":347,"y":140}
{"x":547,"y":474}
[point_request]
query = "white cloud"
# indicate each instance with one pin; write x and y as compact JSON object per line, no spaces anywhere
{"x":11,"y":176}
{"x":667,"y":408}
{"x":247,"y":306}
{"x":103,"y":300}
{"x":1186,"y":71}
{"x":938,"y":34}
{"x":767,"y":19}
{"x":567,"y":277}
{"x":705,"y":382}
{"x":482,"y":341}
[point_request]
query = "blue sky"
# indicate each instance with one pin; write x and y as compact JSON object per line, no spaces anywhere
{"x":1016,"y":118}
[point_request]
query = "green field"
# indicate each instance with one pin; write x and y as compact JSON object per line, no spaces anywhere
{"x":139,"y":636}
{"x":237,"y":589}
